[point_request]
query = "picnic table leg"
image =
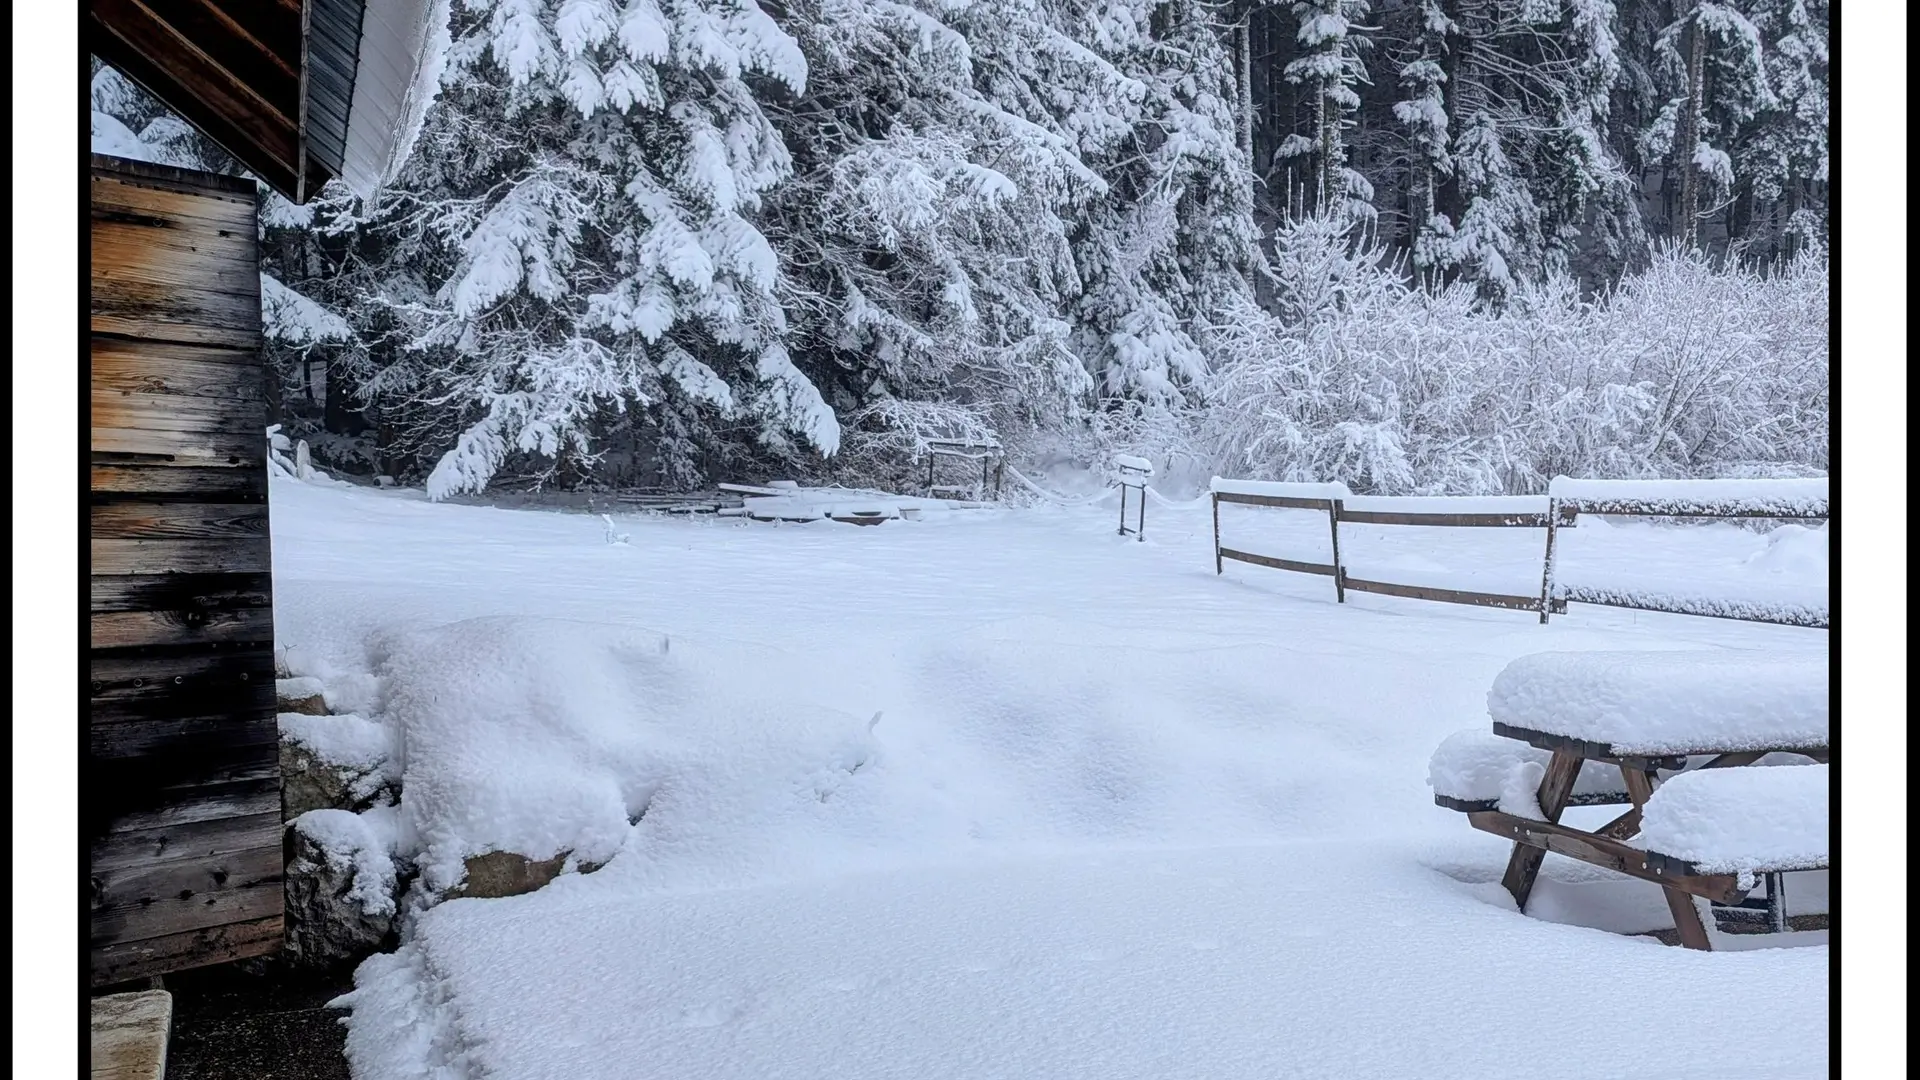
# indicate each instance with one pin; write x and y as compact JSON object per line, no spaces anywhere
{"x":1686,"y":917}
{"x":1777,"y":902}
{"x":1523,"y":866}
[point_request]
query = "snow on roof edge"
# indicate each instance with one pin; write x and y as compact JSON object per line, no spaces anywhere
{"x":403,"y":46}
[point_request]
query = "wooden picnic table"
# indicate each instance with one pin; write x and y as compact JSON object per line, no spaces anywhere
{"x":1607,"y":845}
{"x":1650,"y":717}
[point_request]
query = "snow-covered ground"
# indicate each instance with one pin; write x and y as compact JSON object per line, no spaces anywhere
{"x":995,"y":794}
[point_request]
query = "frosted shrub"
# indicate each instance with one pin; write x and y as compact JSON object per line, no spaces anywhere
{"x":1687,"y":369}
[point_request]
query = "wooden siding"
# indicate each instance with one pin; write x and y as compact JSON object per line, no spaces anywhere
{"x":182,"y":801}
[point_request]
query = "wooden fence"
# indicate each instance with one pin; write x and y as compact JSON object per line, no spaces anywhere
{"x":1790,"y":500}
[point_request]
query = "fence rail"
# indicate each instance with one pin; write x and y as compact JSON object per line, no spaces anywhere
{"x":1784,"y":500}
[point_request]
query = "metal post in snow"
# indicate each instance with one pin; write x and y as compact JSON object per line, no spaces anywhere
{"x":1140,"y":531}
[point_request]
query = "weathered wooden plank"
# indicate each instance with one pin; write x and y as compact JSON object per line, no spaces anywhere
{"x":1325,"y":569}
{"x":245,"y":727}
{"x":1452,"y":521}
{"x":256,"y":859}
{"x":185,"y":421}
{"x":231,"y":798}
{"x":160,"y":372}
{"x":126,"y":960}
{"x":163,"y":475}
{"x":226,"y":43}
{"x":1543,"y":836}
{"x":179,"y":521}
{"x":1282,"y":501}
{"x":112,"y":675}
{"x":153,"y":247}
{"x":139,"y":446}
{"x":123,"y":792}
{"x":187,"y":417}
{"x":1597,"y":751}
{"x":1445,"y":596}
{"x":140,"y":686}
{"x":180,"y":592}
{"x":129,"y":794}
{"x":180,"y":914}
{"x":129,"y":629}
{"x":253,"y":556}
{"x":165,"y":307}
{"x":207,"y":839}
{"x":216,"y":225}
{"x":223,"y":194}
{"x":1468,"y":806}
{"x":161,"y":711}
{"x":274,"y":24}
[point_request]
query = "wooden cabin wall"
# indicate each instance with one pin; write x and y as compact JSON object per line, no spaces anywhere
{"x":181,"y":795}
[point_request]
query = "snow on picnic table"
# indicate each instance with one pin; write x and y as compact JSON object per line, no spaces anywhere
{"x":1115,"y":814}
{"x":1672,"y":702}
{"x":1732,"y":820}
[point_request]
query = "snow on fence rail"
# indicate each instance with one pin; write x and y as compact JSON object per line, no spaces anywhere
{"x":1560,"y":508}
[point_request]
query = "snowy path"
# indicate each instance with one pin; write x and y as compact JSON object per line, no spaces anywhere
{"x":1103,"y":777}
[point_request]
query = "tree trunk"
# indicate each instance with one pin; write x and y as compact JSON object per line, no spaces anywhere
{"x":1330,"y":187}
{"x":1689,"y":223}
{"x":1243,"y":79}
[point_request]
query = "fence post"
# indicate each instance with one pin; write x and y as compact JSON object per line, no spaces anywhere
{"x":1140,"y":530}
{"x":1546,"y":573}
{"x":1123,"y":508}
{"x":1339,"y":573}
{"x":1219,"y":565}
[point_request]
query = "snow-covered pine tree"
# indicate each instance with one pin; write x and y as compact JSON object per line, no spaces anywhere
{"x":1423,"y":112}
{"x":1780,"y":156}
{"x":1530,"y":84}
{"x":1710,"y":62}
{"x":925,"y":227}
{"x":1331,"y":67}
{"x":1174,"y":242}
{"x":579,"y":243}
{"x":1010,"y":206}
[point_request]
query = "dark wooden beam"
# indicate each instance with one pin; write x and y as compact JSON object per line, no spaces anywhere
{"x":223,"y":67}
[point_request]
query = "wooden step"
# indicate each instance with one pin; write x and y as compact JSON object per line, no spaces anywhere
{"x":130,"y":1035}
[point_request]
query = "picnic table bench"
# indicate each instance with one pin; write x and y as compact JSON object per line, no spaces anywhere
{"x":1720,"y":758}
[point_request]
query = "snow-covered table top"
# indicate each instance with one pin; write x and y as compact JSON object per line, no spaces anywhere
{"x":1727,"y":821}
{"x":1668,"y":702}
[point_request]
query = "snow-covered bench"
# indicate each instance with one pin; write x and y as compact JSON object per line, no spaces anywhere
{"x":1740,"y":821}
{"x":1566,"y":725}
